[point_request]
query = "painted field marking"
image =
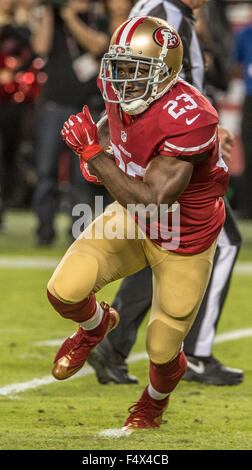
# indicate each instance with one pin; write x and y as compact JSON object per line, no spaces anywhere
{"x":15,"y":388}
{"x":229,"y":336}
{"x":115,"y":433}
{"x":31,"y":262}
{"x":232,"y":335}
{"x":243,"y":267}
{"x":27,"y":262}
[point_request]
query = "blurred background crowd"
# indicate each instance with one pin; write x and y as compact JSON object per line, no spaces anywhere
{"x":49,"y":59}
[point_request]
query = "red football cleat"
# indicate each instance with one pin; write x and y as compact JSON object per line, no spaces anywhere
{"x":74,"y":351}
{"x":146,"y":413}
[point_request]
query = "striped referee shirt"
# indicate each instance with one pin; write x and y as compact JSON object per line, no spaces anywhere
{"x":180,"y":16}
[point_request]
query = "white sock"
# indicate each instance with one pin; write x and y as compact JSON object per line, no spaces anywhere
{"x":95,"y":320}
{"x":156,"y":395}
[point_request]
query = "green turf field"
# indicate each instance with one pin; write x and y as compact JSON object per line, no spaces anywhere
{"x":38,"y":413}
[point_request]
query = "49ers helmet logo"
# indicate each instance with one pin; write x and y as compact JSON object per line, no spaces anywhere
{"x":120,"y":50}
{"x":172,"y":38}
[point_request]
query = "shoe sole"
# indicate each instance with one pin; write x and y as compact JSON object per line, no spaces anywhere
{"x":131,"y":428}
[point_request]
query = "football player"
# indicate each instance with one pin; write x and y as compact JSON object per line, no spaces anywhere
{"x":166,"y":160}
{"x":134,"y":296}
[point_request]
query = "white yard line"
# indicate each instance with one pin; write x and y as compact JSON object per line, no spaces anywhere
{"x":27,"y":262}
{"x":243,"y":267}
{"x":31,"y":262}
{"x":229,"y":336}
{"x":13,"y":389}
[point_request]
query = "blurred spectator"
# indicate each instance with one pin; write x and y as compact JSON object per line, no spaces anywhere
{"x":27,"y":14}
{"x":72,"y":37}
{"x":6,"y":12}
{"x":243,"y":59}
{"x":117,"y":12}
{"x":16,"y":90}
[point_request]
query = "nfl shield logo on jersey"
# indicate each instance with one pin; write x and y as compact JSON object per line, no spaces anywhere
{"x":123,"y":136}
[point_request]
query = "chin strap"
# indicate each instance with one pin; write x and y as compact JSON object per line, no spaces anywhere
{"x":135,"y":107}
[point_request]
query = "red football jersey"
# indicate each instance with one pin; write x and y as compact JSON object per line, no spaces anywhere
{"x":181,"y":122}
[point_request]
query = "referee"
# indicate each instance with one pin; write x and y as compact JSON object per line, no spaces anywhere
{"x":135,"y":294}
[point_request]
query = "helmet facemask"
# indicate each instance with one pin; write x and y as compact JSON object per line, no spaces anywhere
{"x":156,"y":74}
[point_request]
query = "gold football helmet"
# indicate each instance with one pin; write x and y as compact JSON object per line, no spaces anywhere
{"x":141,"y":41}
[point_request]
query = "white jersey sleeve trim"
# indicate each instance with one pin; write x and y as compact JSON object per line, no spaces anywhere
{"x":169,"y":146}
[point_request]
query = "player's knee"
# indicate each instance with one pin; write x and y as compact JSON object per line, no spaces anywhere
{"x":159,"y":355}
{"x":75,"y":278}
{"x":179,"y":297}
{"x":163,"y":342}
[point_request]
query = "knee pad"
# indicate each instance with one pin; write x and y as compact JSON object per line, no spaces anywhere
{"x":163,"y":342}
{"x":74,"y":278}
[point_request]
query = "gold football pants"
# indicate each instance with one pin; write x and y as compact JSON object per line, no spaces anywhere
{"x":113,"y":247}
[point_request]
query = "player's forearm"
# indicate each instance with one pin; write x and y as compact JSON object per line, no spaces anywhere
{"x":103,"y":132}
{"x":124,"y":188}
